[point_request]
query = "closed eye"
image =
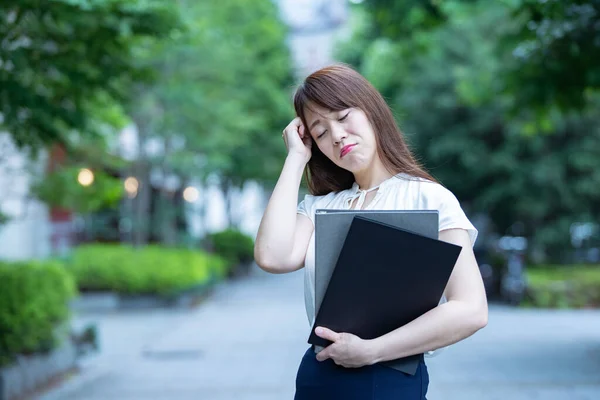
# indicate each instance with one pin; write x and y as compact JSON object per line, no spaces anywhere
{"x":321,"y":135}
{"x":344,"y":117}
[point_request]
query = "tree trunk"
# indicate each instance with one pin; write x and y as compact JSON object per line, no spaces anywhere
{"x":141,"y":206}
{"x":141,"y":218}
{"x":228,"y":193}
{"x":168,"y":207}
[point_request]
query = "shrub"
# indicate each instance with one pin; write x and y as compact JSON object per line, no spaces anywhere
{"x":573,"y":286}
{"x":147,"y":270}
{"x":233,"y":245}
{"x":34,"y":301}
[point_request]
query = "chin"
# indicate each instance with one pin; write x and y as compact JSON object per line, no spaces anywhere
{"x":354,"y":166}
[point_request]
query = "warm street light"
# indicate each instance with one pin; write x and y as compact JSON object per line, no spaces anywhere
{"x":85,"y":177}
{"x":190,"y":194}
{"x":131,"y":186}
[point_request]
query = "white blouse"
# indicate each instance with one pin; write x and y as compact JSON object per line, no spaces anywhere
{"x":401,"y":192}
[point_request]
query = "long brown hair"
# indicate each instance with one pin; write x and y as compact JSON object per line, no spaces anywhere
{"x":337,"y":88}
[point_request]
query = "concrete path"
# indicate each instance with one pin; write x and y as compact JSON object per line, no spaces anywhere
{"x":246,"y":341}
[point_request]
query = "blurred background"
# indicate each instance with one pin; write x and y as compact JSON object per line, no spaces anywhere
{"x":140,"y":141}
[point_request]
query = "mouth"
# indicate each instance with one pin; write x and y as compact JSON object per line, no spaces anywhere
{"x":346,"y":149}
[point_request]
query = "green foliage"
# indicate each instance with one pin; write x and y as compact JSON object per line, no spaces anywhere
{"x":3,"y":218}
{"x":395,"y":19}
{"x":66,"y":63}
{"x":146,"y":270}
{"x":233,"y":245}
{"x":33,"y":303}
{"x":444,"y":86}
{"x":555,"y":53}
{"x":549,"y":50}
{"x":223,"y":92}
{"x":569,"y":286}
{"x":61,"y":189}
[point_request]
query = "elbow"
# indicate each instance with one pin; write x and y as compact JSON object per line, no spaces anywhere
{"x":268,"y":263}
{"x":268,"y":267}
{"x":261,"y":260}
{"x":479,"y":318}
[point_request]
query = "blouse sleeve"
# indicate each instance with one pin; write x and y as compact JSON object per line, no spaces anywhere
{"x":307,"y":207}
{"x":451,"y":213}
{"x":452,"y":216}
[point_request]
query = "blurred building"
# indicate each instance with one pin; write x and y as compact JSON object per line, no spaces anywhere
{"x":28,"y":231}
{"x":314,"y":27}
{"x":205,"y":206}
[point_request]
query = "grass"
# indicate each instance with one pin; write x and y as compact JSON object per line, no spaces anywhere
{"x":563,"y":286}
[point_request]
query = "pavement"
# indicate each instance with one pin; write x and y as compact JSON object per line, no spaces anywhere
{"x":246,"y":340}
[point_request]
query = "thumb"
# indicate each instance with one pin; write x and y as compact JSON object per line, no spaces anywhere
{"x":326,"y":333}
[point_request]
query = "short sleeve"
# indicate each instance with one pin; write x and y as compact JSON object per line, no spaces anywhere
{"x":451,"y":213}
{"x":307,"y":206}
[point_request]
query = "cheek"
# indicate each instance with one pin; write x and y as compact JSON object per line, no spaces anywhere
{"x":368,"y":135}
{"x":325,"y":149}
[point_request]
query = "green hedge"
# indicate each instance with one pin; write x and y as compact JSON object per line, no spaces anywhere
{"x":34,"y":301}
{"x":233,"y":245}
{"x":147,"y":270}
{"x":570,"y":286}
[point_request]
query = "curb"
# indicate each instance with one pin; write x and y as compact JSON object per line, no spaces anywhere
{"x":88,"y":370}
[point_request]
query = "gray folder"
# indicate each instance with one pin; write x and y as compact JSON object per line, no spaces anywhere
{"x":331,"y":228}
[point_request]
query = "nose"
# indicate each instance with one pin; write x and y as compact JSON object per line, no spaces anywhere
{"x":338,"y":134}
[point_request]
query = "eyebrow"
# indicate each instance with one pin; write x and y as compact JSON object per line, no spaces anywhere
{"x":313,"y":124}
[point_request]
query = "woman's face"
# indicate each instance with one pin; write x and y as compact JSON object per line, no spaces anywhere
{"x":346,"y":137}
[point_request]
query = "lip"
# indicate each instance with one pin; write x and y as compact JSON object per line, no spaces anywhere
{"x":346,"y":149}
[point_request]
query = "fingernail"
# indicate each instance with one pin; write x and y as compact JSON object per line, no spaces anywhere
{"x":319,"y":330}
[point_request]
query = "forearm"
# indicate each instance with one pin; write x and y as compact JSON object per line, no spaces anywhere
{"x":446,"y":324}
{"x":275,"y":238}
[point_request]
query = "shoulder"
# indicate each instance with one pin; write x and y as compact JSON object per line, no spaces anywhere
{"x":424,"y":193}
{"x":312,"y":200}
{"x":429,"y":195}
{"x":310,"y":203}
{"x":435,"y":195}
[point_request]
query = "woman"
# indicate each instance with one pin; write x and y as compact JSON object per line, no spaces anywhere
{"x":357,"y":158}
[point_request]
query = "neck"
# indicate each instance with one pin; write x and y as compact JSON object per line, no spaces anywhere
{"x":372,"y":176}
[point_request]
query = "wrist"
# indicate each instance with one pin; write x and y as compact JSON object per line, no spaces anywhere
{"x":297,"y":160}
{"x":374,"y":350}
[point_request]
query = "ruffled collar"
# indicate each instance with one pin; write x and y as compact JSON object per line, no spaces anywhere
{"x":355,"y":192}
{"x":389,"y":181}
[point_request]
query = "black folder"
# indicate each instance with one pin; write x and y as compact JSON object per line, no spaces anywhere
{"x":384,"y":278}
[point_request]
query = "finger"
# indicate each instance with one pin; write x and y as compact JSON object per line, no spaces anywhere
{"x":323,"y":355}
{"x":327,"y":333}
{"x":290,"y":130}
{"x":294,"y":125}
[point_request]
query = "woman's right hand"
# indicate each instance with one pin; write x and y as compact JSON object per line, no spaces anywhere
{"x":297,"y":140}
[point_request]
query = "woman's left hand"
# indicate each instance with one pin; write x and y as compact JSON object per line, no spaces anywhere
{"x":347,"y":350}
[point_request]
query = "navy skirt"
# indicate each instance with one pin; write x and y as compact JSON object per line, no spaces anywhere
{"x":326,"y":380}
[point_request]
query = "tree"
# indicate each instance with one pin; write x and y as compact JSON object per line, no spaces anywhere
{"x":221,"y":98}
{"x":449,"y":102}
{"x":556,"y":49}
{"x":63,"y":61}
{"x":553,"y":45}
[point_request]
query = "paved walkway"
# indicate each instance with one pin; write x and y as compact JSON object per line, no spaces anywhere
{"x":245,"y":343}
